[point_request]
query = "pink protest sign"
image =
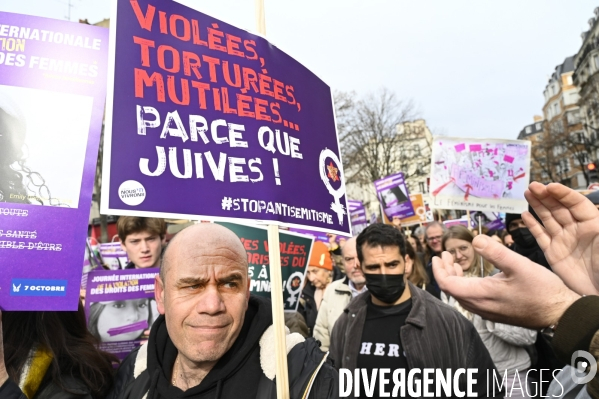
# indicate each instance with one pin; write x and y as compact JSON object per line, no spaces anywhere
{"x":475,"y":174}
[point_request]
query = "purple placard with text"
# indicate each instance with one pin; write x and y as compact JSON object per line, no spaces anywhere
{"x":121,"y":308}
{"x":357,"y":212}
{"x":52,"y":92}
{"x":317,"y":235}
{"x":496,"y":224}
{"x":208,"y":121}
{"x":394,"y":196}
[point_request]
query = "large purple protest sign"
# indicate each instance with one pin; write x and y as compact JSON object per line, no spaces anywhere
{"x":120,"y":308}
{"x":358,"y":218}
{"x":208,"y":121}
{"x":394,"y":196}
{"x":52,"y":92}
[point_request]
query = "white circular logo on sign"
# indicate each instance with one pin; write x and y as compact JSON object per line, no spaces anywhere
{"x":132,"y":192}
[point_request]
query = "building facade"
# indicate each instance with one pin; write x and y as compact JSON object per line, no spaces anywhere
{"x":558,"y":151}
{"x":586,"y":77}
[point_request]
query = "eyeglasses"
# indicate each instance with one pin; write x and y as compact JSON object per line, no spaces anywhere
{"x":463,"y":249}
{"x":436,"y":238}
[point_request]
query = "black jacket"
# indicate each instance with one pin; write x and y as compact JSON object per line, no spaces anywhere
{"x":535,"y":254}
{"x":48,"y":389}
{"x":434,"y":336}
{"x":240,"y":373}
{"x":432,"y":287}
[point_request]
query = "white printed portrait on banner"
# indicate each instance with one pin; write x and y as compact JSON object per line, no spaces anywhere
{"x":43,"y":140}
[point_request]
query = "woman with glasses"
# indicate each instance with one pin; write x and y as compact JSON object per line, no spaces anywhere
{"x":505,"y":343}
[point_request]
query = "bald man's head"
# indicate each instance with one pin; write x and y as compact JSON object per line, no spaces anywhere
{"x":201,"y":240}
{"x":203,"y":291}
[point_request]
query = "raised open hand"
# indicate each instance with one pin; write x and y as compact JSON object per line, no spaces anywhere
{"x":570,"y":238}
{"x":525,"y":294}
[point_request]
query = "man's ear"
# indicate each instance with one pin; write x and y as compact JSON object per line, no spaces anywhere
{"x":123,"y":247}
{"x":159,"y":293}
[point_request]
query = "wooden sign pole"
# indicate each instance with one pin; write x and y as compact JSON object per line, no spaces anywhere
{"x":482,"y":262}
{"x":276,"y":278}
{"x":469,"y":221}
{"x":278,"y":316}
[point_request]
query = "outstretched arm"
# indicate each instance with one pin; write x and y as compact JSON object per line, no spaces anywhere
{"x":570,"y":236}
{"x":525,"y":294}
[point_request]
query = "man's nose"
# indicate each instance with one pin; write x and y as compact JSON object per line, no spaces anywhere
{"x":211,"y":301}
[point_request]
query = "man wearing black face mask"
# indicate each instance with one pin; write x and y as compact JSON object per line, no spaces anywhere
{"x":396,"y":325}
{"x":542,"y":356}
{"x":524,"y":242}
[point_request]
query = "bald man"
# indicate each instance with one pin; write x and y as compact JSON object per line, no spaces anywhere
{"x":213,"y":339}
{"x":339,"y":294}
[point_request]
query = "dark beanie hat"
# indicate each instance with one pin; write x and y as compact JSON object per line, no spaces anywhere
{"x":510,"y":217}
{"x":594,"y":197}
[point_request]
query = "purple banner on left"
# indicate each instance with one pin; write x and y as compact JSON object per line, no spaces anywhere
{"x":52,"y":93}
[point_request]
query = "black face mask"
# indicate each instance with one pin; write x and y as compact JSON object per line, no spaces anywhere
{"x":523,"y":237}
{"x":385,"y":287}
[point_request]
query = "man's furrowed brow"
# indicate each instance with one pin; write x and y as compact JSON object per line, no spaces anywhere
{"x":191,"y":281}
{"x":231,"y":278}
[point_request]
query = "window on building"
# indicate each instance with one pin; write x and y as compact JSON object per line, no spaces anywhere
{"x":585,"y":158}
{"x":538,"y":125}
{"x":563,"y":166}
{"x":559,"y":150}
{"x":544,"y":175}
{"x":422,"y":187}
{"x":528,"y":130}
{"x":555,"y":108}
{"x":573,"y":117}
{"x":596,"y":59}
{"x":416,"y":149}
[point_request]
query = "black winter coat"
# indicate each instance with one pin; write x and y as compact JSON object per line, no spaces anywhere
{"x":240,"y":373}
{"x":48,"y":390}
{"x":434,"y":336}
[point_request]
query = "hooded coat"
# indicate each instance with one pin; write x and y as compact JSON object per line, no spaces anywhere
{"x":247,"y":370}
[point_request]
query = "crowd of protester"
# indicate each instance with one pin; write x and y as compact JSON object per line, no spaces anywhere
{"x":518,"y":300}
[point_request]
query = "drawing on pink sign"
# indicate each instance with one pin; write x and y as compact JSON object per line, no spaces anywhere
{"x":460,"y":147}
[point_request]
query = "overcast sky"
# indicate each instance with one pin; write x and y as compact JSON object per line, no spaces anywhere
{"x":474,"y":68}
